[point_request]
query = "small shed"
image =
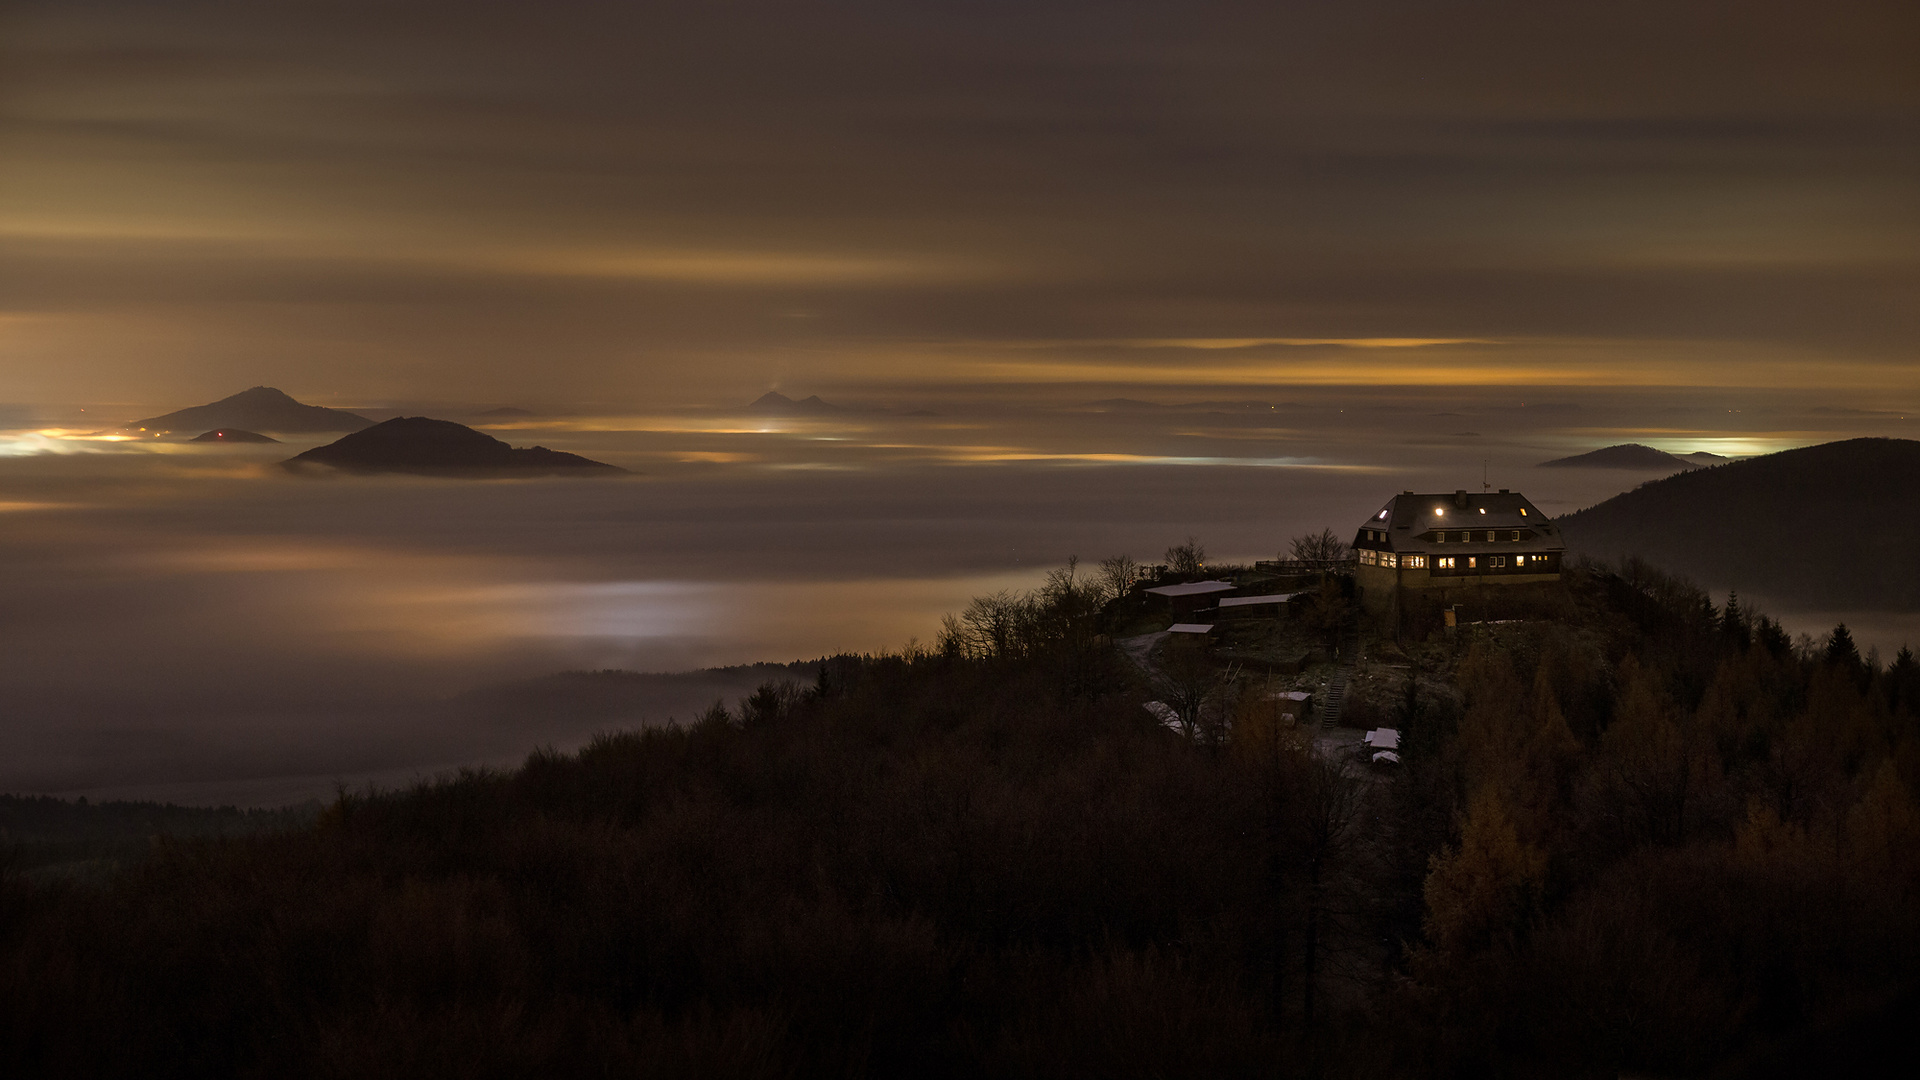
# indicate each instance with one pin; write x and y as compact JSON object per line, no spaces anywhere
{"x":1190,"y":635}
{"x":1293,"y":703}
{"x":1384,"y":739}
{"x":1191,"y":596}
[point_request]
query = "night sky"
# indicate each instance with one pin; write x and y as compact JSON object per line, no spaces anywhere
{"x":663,"y":203}
{"x":1365,"y":247}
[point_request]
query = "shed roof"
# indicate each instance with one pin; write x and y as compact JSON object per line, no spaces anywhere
{"x":1193,"y":588}
{"x":1249,"y":601}
{"x":1190,"y":628}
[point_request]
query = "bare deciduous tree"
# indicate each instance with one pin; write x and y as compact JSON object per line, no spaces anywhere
{"x":1322,"y":551}
{"x":1187,"y":559}
{"x":1118,"y":575}
{"x":1195,"y":689}
{"x":1326,"y":805}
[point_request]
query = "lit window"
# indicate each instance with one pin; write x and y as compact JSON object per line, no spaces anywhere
{"x":1483,"y":509}
{"x":1519,"y":560}
{"x":1439,"y":511}
{"x":1446,"y":562}
{"x":1523,"y":511}
{"x":1414,"y":562}
{"x":1383,"y":515}
{"x":1387,"y":559}
{"x":1472,"y":562}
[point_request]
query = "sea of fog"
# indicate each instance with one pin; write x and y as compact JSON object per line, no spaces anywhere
{"x":189,"y":622}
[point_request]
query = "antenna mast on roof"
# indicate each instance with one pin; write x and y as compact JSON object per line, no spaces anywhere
{"x":1484,"y":486}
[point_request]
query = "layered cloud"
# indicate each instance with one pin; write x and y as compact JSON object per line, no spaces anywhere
{"x":666,"y":201}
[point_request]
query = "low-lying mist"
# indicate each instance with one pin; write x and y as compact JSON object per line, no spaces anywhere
{"x":192,"y":623}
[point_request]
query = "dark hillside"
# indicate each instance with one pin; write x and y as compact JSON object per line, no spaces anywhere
{"x":45,"y":837}
{"x":1830,"y":526}
{"x":1645,"y":837}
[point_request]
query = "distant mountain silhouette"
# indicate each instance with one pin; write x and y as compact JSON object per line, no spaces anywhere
{"x":1624,"y":456}
{"x":260,"y":409}
{"x":233,"y":435}
{"x":1829,"y":527}
{"x":1701,"y":457}
{"x":774,"y":403}
{"x":418,"y":444}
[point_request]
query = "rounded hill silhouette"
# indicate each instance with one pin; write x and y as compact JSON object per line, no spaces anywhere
{"x":233,"y":435}
{"x":1624,"y":456}
{"x":420,"y":444}
{"x":260,"y":409}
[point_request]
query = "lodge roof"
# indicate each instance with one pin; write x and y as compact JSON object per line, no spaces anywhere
{"x":1409,"y":521}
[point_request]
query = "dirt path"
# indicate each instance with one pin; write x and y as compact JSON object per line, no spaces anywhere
{"x":1140,"y":647}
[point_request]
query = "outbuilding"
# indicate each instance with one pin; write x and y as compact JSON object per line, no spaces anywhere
{"x":1189,"y":597}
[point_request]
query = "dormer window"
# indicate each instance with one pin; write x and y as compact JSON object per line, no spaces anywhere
{"x":1523,"y":511}
{"x":1483,"y":509}
{"x":1439,"y":511}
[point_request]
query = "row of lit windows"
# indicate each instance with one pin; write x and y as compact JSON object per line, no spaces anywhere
{"x":1467,"y":536}
{"x":1389,"y":560}
{"x":1495,"y":562}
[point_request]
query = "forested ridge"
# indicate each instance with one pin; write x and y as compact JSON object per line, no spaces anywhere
{"x":1646,"y":834}
{"x":1826,"y":528}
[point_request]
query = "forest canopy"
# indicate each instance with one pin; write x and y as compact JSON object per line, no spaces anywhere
{"x":1650,"y":835}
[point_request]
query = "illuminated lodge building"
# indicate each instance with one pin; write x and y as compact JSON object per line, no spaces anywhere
{"x":1440,"y":545}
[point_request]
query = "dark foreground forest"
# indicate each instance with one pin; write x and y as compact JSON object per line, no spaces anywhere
{"x":1645,"y":835}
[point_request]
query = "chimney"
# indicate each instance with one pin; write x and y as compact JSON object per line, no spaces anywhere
{"x":1503,"y":491}
{"x":1406,"y":493}
{"x":1460,"y":498}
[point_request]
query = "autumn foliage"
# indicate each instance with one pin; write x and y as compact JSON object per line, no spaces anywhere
{"x":1654,"y":836}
